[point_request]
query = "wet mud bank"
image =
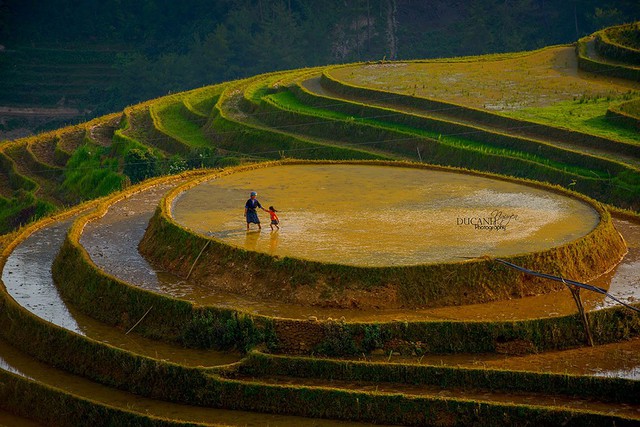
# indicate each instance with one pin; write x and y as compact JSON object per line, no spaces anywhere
{"x":57,"y":405}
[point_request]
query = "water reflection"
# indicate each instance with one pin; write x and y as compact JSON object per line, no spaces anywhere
{"x":27,"y":276}
{"x":273,"y":242}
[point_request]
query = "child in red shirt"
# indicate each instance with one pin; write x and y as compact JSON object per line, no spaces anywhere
{"x":274,"y":218}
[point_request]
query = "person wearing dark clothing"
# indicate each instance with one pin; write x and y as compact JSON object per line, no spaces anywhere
{"x":250,"y":210}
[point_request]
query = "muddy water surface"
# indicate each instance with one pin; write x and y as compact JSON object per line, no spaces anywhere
{"x":377,"y":216}
{"x":618,"y":360}
{"x":624,"y":280}
{"x":112,"y":240}
{"x":27,"y":277}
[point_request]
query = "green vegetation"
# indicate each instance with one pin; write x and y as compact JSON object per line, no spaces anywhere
{"x":92,"y":172}
{"x":172,"y":117}
{"x":584,"y":115}
{"x":21,"y":209}
{"x":287,"y":100}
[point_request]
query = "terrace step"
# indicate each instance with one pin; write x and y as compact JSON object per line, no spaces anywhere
{"x":141,"y":127}
{"x":592,"y":52}
{"x":615,"y":360}
{"x":102,"y":133}
{"x":6,"y":189}
{"x":492,"y":397}
{"x":68,"y":142}
{"x":314,"y":85}
{"x":44,"y":149}
{"x":38,"y":167}
{"x":172,"y":118}
{"x":200,"y":102}
{"x":13,"y":360}
{"x":236,"y":132}
{"x":112,"y":243}
{"x":400,"y":136}
{"x":131,"y":209}
{"x":27,"y":273}
{"x":47,"y":180}
{"x":104,"y":240}
{"x":60,"y":75}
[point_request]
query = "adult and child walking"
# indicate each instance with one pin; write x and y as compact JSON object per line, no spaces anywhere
{"x":251,"y":214}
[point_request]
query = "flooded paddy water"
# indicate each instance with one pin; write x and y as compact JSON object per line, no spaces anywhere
{"x":27,"y":278}
{"x":384,"y":216}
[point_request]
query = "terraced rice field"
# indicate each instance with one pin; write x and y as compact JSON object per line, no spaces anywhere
{"x":114,"y":312}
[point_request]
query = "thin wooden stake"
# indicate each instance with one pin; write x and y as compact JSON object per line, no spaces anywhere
{"x":575,"y":293}
{"x":197,"y":258}
{"x":419,"y":155}
{"x":138,"y":322}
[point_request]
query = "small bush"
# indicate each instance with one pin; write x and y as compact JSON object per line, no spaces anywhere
{"x":139,"y":165}
{"x":91,"y":172}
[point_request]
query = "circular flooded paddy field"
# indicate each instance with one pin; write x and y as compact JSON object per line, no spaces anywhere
{"x":371,"y":215}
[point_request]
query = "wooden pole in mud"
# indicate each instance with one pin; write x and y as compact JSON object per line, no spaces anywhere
{"x":197,"y":258}
{"x":575,"y":293}
{"x":138,"y":322}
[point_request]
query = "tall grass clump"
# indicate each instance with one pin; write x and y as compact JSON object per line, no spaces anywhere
{"x":92,"y":172}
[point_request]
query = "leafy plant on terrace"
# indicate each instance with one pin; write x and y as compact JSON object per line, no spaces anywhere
{"x":287,"y":100}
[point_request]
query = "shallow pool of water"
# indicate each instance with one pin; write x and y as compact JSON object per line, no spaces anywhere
{"x":27,"y":278}
{"x":375,"y":215}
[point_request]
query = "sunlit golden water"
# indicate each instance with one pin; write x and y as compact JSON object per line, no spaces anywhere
{"x":379,"y":215}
